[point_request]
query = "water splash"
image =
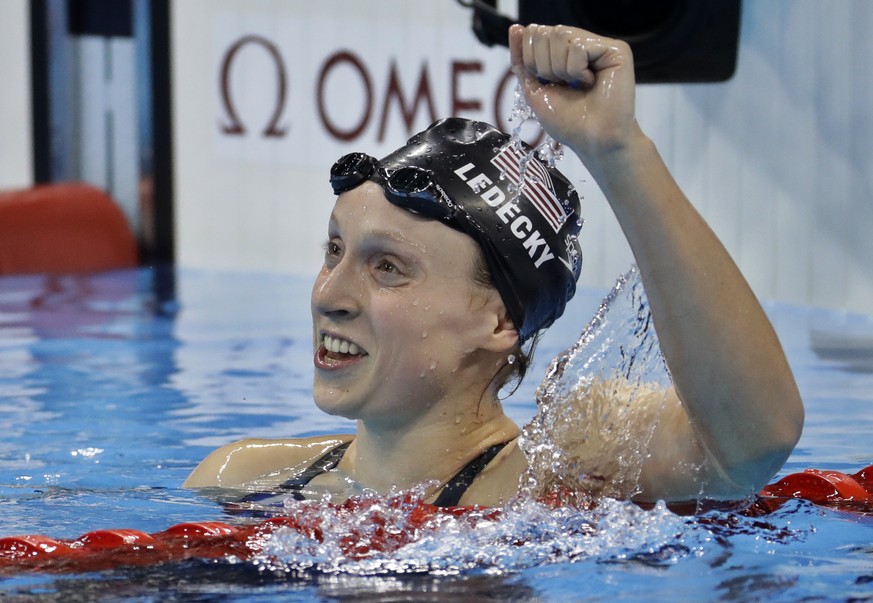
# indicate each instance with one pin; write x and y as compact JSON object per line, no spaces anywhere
{"x":549,"y":151}
{"x":382,"y":536}
{"x":599,"y":404}
{"x":399,"y":535}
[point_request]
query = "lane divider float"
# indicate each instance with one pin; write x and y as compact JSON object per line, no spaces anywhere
{"x":106,"y":549}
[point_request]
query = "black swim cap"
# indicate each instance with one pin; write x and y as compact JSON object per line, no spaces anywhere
{"x":527,"y":230}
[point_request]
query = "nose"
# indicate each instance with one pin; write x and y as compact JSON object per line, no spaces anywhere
{"x":336,"y":293}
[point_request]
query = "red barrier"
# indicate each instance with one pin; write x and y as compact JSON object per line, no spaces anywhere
{"x":63,"y":228}
{"x":104,"y":549}
{"x":853,"y":493}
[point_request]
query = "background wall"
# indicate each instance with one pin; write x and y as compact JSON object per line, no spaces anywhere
{"x":16,"y":153}
{"x":778,"y":159}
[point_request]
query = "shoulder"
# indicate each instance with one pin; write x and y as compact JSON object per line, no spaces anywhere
{"x":499,"y":481}
{"x":262,"y":460}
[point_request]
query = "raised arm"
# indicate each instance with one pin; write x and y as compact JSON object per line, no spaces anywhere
{"x":739,"y":399}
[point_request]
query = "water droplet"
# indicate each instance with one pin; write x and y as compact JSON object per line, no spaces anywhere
{"x":424,"y":334}
{"x":511,"y":359}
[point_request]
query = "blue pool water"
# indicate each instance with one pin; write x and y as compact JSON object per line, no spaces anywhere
{"x":112,"y":387}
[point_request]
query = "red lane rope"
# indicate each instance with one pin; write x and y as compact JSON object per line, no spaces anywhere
{"x":106,"y":549}
{"x":824,"y":487}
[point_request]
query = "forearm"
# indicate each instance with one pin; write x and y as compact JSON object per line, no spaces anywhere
{"x":725,"y":359}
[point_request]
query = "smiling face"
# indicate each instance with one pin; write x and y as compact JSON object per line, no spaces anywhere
{"x":401,"y":331}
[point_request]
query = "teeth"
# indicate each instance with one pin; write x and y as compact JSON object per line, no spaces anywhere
{"x":340,"y":346}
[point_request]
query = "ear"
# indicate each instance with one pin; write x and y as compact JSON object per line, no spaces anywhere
{"x":504,"y":336}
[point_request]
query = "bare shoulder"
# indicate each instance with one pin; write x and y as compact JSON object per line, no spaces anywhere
{"x":261,"y":460}
{"x":499,"y":481}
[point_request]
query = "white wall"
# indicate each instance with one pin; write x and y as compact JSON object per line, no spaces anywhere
{"x":778,"y":159}
{"x":255,"y":202}
{"x":16,"y":150}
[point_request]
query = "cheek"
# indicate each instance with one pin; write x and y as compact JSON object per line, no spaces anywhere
{"x":413,"y":334}
{"x":405,"y":324}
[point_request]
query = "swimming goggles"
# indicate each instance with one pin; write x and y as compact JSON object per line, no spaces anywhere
{"x":410,"y":187}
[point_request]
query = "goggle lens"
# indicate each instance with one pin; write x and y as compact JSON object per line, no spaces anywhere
{"x":413,"y":188}
{"x":351,"y":170}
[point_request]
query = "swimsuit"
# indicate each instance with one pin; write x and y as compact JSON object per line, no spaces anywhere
{"x":450,"y":495}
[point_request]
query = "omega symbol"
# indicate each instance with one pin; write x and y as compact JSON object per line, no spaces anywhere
{"x":233,"y":126}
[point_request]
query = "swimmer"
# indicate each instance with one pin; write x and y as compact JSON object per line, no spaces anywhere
{"x":436,"y":281}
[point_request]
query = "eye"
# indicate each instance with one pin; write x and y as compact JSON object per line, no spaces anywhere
{"x":389,"y":272}
{"x":333,"y":251}
{"x":387,"y":266}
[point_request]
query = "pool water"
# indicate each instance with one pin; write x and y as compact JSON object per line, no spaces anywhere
{"x":113,"y":387}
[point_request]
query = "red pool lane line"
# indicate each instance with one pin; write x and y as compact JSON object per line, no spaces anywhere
{"x":106,"y":549}
{"x":865,"y":478}
{"x":825,"y":487}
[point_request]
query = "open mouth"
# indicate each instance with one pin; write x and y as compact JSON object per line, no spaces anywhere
{"x":336,"y":349}
{"x":335,"y":345}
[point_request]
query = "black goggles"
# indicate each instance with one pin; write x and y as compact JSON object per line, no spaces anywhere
{"x":410,"y":187}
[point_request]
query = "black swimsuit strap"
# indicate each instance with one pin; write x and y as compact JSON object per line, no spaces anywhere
{"x":455,"y":488}
{"x":323,"y":464}
{"x":450,"y":495}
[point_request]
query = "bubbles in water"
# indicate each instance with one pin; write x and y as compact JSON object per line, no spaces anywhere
{"x":378,"y":535}
{"x":371,"y":535}
{"x":87,"y":453}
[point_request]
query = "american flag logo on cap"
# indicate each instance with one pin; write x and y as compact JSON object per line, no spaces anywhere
{"x":537,"y":187}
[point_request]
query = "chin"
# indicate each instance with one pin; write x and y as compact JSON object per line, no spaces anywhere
{"x":336,"y":404}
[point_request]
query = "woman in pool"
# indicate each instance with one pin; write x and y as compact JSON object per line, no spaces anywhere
{"x":416,"y":322}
